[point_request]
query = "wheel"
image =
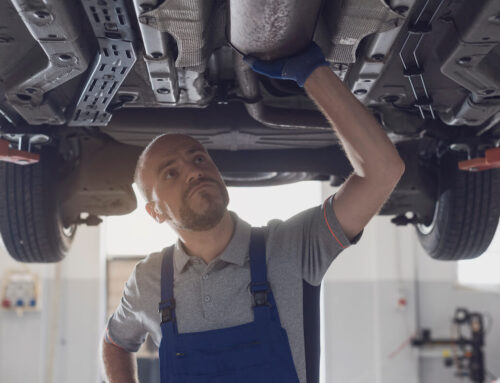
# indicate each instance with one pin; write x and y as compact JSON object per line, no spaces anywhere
{"x":466,"y":212}
{"x":30,"y":219}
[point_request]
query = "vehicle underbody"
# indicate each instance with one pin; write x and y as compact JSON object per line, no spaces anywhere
{"x":96,"y":80}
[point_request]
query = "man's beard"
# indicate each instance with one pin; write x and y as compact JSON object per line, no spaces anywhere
{"x":196,"y":221}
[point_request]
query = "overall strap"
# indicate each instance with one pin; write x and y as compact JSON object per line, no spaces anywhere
{"x":167,"y":305}
{"x":264,"y":305}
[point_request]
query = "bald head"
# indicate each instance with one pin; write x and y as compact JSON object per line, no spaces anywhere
{"x":165,"y":143}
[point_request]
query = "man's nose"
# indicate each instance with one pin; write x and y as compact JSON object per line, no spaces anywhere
{"x":193,"y":173}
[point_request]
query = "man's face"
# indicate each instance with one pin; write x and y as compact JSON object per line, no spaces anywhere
{"x":187,"y":188}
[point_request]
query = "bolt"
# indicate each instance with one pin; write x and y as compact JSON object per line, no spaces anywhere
{"x":111,"y":27}
{"x":378,"y":57}
{"x":464,"y":60}
{"x":359,"y":92}
{"x":163,"y":91}
{"x":390,"y":98}
{"x":401,"y":9}
{"x":147,"y":20}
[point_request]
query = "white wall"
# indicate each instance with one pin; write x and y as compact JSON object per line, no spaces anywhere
{"x":26,"y":341}
{"x":364,"y":325}
{"x":367,"y":332}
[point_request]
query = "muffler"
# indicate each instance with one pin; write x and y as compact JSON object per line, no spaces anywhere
{"x":270,"y":29}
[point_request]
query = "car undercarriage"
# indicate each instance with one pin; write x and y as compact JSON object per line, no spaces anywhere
{"x":87,"y":84}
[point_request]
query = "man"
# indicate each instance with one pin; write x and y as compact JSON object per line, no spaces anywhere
{"x":217,"y":323}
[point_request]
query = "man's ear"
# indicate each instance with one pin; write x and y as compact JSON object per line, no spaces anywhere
{"x":155,"y":212}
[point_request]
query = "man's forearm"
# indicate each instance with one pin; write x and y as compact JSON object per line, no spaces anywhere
{"x":366,"y":144}
{"x":119,"y":365}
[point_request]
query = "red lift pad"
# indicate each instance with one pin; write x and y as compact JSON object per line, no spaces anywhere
{"x":491,"y":160}
{"x":15,"y":156}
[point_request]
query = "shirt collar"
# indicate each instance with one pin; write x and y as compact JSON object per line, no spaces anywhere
{"x":236,"y":251}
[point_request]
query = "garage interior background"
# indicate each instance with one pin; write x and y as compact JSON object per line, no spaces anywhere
{"x":366,"y":331}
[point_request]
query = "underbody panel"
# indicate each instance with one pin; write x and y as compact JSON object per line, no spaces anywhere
{"x":128,"y":71}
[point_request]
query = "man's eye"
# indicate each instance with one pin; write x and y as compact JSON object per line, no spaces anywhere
{"x":170,"y":174}
{"x":199,"y":159}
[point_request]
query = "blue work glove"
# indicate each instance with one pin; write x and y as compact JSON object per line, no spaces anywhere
{"x":297,"y":68}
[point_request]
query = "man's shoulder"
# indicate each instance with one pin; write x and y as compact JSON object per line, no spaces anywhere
{"x":151,"y":262}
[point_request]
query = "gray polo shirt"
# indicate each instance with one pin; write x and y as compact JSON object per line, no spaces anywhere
{"x":216,"y":295}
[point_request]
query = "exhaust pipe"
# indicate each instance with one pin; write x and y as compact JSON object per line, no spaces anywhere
{"x":271,"y":29}
{"x":269,"y":115}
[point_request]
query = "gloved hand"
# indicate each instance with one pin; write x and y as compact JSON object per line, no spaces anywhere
{"x":297,"y":68}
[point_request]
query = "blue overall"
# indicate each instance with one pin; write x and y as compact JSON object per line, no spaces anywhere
{"x":255,"y":352}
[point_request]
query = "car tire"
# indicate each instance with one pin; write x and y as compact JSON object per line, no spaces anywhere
{"x":30,"y":219}
{"x":466,"y":212}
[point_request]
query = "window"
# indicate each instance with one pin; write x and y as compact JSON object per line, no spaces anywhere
{"x":138,"y":234}
{"x":482,"y":271}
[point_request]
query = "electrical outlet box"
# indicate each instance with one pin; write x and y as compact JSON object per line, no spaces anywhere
{"x":20,"y":291}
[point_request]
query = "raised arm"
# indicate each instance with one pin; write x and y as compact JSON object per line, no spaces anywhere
{"x":376,"y":162}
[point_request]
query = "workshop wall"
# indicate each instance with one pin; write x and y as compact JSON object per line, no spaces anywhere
{"x":372,"y":293}
{"x":366,"y":321}
{"x":377,"y":293}
{"x":59,"y":343}
{"x":439,"y":295}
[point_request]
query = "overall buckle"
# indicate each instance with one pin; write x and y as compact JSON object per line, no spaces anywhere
{"x":259,"y":292}
{"x":166,"y":308}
